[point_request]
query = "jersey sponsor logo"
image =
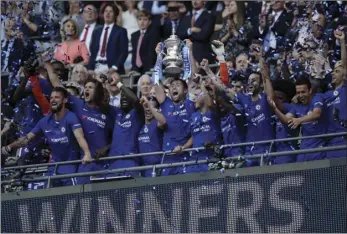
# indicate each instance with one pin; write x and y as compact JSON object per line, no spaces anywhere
{"x":94,"y":120}
{"x":203,"y":128}
{"x":259,"y":118}
{"x":126,"y":124}
{"x":180,"y":112}
{"x":63,"y":129}
{"x":144,"y":139}
{"x":336,"y":101}
{"x":60,"y":140}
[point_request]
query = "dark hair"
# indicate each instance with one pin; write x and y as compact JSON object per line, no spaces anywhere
{"x":185,"y":86}
{"x":303,"y":81}
{"x":238,"y":78}
{"x":154,"y":99}
{"x":257,"y":73}
{"x":99,"y":95}
{"x":114,"y":8}
{"x":143,"y":13}
{"x":61,"y":90}
{"x":285,"y":86}
{"x":58,"y":62}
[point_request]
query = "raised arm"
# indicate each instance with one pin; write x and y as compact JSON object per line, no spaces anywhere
{"x":55,"y":81}
{"x":156,"y":113}
{"x":342,"y":38}
{"x":189,"y":43}
{"x":218,"y":49}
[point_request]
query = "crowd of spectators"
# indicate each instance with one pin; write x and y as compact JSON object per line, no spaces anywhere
{"x":282,"y":68}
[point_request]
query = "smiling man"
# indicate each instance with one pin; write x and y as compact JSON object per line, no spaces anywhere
{"x":64,"y":134}
{"x":307,"y":114}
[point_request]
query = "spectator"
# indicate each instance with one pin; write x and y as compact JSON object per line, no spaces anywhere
{"x":74,"y":14}
{"x":145,"y":85}
{"x":71,"y":50}
{"x":113,"y":90}
{"x":31,"y":24}
{"x":150,"y":138}
{"x":59,"y":70}
{"x":64,"y":134}
{"x":13,"y":50}
{"x":221,"y":18}
{"x":143,"y":43}
{"x":90,"y":17}
{"x":129,"y":19}
{"x":173,"y":21}
{"x":79,"y":76}
{"x":155,"y":8}
{"x":104,"y":55}
{"x":198,"y":27}
{"x":274,"y":28}
{"x":235,"y":32}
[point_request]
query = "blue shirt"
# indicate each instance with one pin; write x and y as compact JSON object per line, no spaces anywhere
{"x":233,"y":130}
{"x":60,"y":137}
{"x":205,"y":128}
{"x":260,"y":124}
{"x":336,"y":99}
{"x":125,"y":133}
{"x":177,"y":131}
{"x":316,"y":127}
{"x":97,"y":126}
{"x":150,"y":139}
{"x":283,"y":131}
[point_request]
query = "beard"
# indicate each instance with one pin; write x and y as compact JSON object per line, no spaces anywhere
{"x":57,"y":108}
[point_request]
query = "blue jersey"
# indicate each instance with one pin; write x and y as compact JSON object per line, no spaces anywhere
{"x":60,"y":137}
{"x":233,"y":130}
{"x":150,"y":139}
{"x":205,"y":128}
{"x":177,"y":131}
{"x":260,"y":124}
{"x":125,"y":133}
{"x":316,"y":127}
{"x":97,"y":126}
{"x":283,"y":132}
{"x":336,"y":99}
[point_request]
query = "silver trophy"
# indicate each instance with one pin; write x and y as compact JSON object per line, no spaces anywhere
{"x":173,"y":57}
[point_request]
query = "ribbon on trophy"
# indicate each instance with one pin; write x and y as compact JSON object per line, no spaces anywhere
{"x":158,"y":67}
{"x":186,"y":62}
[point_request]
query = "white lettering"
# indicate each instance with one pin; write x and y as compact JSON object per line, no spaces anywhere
{"x":287,"y":205}
{"x":195,"y":210}
{"x":46,"y":221}
{"x":336,"y":101}
{"x":155,"y":212}
{"x":259,"y":118}
{"x":126,"y":124}
{"x":107,"y":215}
{"x":99,"y":122}
{"x":248,"y":214}
{"x":61,"y":140}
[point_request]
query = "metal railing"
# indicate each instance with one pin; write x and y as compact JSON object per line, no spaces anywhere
{"x":178,"y":164}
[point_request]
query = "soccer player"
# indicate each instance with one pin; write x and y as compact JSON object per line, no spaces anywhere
{"x":307,"y":114}
{"x":64,"y":134}
{"x":150,"y":138}
{"x":336,"y":102}
{"x":129,"y":120}
{"x":177,"y":111}
{"x":204,"y":127}
{"x":284,"y":92}
{"x":97,"y":120}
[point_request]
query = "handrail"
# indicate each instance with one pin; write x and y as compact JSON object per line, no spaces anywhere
{"x":187,"y":163}
{"x":186,"y":150}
